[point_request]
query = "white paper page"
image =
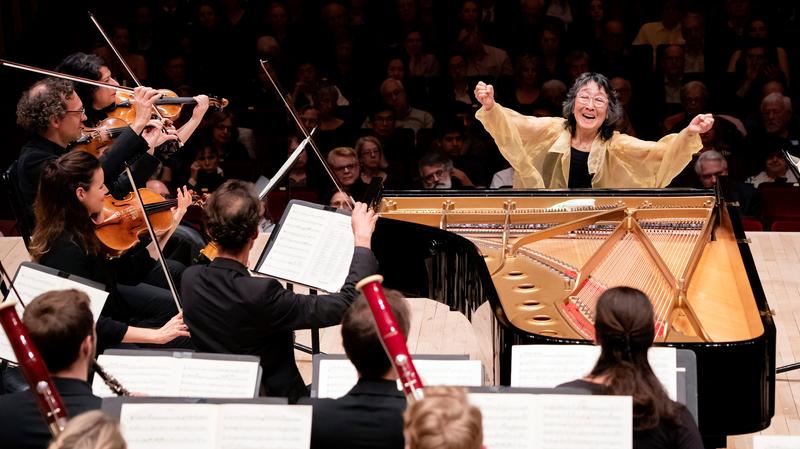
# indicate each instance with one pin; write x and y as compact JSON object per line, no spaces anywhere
{"x":338,"y":376}
{"x":151,"y":376}
{"x":776,"y":442}
{"x":179,"y":377}
{"x":284,"y":168}
{"x":174,"y":426}
{"x":218,"y":378}
{"x":548,"y":366}
{"x":510,"y":421}
{"x":265,"y":426}
{"x":585,"y":421}
{"x":314,"y":248}
{"x":31,"y":283}
{"x":465,"y":373}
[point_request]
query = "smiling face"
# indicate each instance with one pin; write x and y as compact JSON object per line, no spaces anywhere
{"x":591,"y":106}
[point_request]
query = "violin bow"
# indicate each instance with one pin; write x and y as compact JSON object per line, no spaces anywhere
{"x":122,"y":61}
{"x":53,"y":73}
{"x":153,"y":237}
{"x":303,"y":130}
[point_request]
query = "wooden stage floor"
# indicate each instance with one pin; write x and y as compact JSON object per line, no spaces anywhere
{"x":437,"y":330}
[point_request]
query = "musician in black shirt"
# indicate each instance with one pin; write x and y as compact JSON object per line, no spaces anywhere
{"x":370,"y":415}
{"x":625,"y":329}
{"x":61,"y":326}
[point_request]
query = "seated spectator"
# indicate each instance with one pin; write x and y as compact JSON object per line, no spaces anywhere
{"x":694,"y":100}
{"x":370,"y":415}
{"x":611,"y":52}
{"x":344,"y":163}
{"x":450,"y":141}
{"x":444,"y":419}
{"x":554,"y":92}
{"x":457,"y":82}
{"x":121,"y":37}
{"x":693,"y":31}
{"x":483,"y":60}
{"x":625,"y":329}
{"x":420,"y":64}
{"x":61,"y":326}
{"x":709,"y":167}
{"x":748,"y":74}
{"x":370,"y":155}
{"x":757,"y":29}
{"x":205,"y":173}
{"x":298,"y":175}
{"x":307,"y":84}
{"x":781,"y":130}
{"x":90,"y":430}
{"x":669,"y":78}
{"x":406,"y":116}
{"x":340,"y":201}
{"x":397,"y":143}
{"x":436,"y":172}
{"x":527,"y":84}
{"x":225,"y":137}
{"x":665,"y":31}
{"x":396,"y":69}
{"x":775,"y":170}
{"x":332,"y":130}
{"x":577,"y":64}
{"x":551,"y":49}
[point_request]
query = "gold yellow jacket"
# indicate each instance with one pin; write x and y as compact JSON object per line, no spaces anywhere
{"x":538,"y":148}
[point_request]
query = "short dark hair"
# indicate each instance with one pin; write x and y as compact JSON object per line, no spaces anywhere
{"x":435,"y":158}
{"x":58,"y":321}
{"x":86,"y":66}
{"x":360,"y":338}
{"x":232,"y":214}
{"x":44,"y":100}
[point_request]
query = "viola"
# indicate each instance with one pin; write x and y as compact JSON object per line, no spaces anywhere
{"x":169,"y":105}
{"x":98,"y":139}
{"x":121,"y":223}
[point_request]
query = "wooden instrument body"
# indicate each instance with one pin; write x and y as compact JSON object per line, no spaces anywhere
{"x":122,"y":222}
{"x":453,"y":244}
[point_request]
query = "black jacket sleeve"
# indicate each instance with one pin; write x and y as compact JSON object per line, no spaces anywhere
{"x":287,"y":310}
{"x":127,"y":145}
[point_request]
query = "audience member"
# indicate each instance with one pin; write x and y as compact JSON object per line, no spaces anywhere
{"x":483,"y":60}
{"x":419,"y":63}
{"x":370,"y":415}
{"x":205,"y":174}
{"x":710,"y":165}
{"x":406,"y":116}
{"x":344,"y":163}
{"x":436,"y":171}
{"x":775,"y":170}
{"x":370,"y":155}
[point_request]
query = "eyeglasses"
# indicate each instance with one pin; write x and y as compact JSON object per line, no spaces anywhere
{"x":370,"y":153}
{"x":435,"y":175}
{"x":222,"y":127}
{"x":82,"y":110}
{"x":345,"y":168}
{"x":599,"y":101}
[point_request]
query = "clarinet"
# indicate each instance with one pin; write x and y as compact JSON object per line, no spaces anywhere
{"x":33,"y":368}
{"x":111,"y":382}
{"x":392,"y":338}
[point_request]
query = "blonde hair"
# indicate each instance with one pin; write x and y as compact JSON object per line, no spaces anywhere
{"x":90,"y":430}
{"x":443,"y":420}
{"x":342,"y":152}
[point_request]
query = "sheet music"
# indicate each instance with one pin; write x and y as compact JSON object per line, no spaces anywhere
{"x":31,"y":283}
{"x":338,"y":376}
{"x":510,"y":421}
{"x":210,"y":426}
{"x":314,"y":247}
{"x":265,"y":426}
{"x":179,"y":377}
{"x":520,"y":421}
{"x":548,"y":366}
{"x":776,"y":441}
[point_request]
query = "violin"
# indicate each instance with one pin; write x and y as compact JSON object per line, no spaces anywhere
{"x":98,"y":139}
{"x":121,"y":222}
{"x":169,"y":105}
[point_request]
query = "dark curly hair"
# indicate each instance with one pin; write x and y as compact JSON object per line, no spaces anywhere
{"x":613,"y":113}
{"x":232,"y":215}
{"x":46,"y":99}
{"x":85,"y":66}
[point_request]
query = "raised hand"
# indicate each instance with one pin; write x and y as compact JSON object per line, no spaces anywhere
{"x":484,"y":93}
{"x":701,"y":123}
{"x":363,"y":220}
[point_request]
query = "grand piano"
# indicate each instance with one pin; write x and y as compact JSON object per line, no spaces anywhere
{"x":541,"y":259}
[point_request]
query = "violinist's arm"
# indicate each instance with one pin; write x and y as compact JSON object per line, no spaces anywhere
{"x":186,"y":131}
{"x":184,"y":200}
{"x":172,"y":329}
